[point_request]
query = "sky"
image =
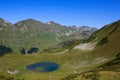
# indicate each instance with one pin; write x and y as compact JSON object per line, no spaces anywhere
{"x":93,"y":13}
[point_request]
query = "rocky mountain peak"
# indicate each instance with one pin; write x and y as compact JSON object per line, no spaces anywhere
{"x":53,"y":23}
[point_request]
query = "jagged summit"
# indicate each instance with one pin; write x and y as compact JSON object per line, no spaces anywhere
{"x":29,"y":23}
{"x":52,"y":23}
{"x":32,"y":21}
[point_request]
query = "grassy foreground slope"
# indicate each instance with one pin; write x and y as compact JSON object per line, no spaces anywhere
{"x":72,"y":62}
{"x":108,"y":48}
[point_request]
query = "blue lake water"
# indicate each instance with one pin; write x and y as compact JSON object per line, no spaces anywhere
{"x":43,"y":67}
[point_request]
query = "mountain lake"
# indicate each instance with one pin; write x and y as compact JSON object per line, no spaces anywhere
{"x":43,"y":67}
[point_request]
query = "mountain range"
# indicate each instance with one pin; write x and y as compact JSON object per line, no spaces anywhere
{"x":82,"y":53}
{"x":31,"y":33}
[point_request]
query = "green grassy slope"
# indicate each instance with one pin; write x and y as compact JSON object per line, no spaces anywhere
{"x":32,"y":33}
{"x":73,"y":63}
{"x":107,"y":50}
{"x":7,"y":34}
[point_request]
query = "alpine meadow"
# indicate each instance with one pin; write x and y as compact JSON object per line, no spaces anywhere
{"x":59,"y":40}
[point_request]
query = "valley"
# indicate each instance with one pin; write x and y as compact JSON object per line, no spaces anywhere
{"x":93,"y":58}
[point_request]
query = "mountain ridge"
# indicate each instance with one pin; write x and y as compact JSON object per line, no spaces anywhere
{"x":102,"y":62}
{"x":108,"y":49}
{"x":33,"y":33}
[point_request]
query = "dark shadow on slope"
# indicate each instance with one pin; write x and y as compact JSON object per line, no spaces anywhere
{"x":33,"y":50}
{"x":103,"y":41}
{"x":23,"y":51}
{"x":113,"y":65}
{"x":4,"y":50}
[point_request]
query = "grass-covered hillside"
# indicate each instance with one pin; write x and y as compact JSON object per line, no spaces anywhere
{"x":96,"y":58}
{"x":28,"y":34}
{"x":108,"y":49}
{"x":6,"y":33}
